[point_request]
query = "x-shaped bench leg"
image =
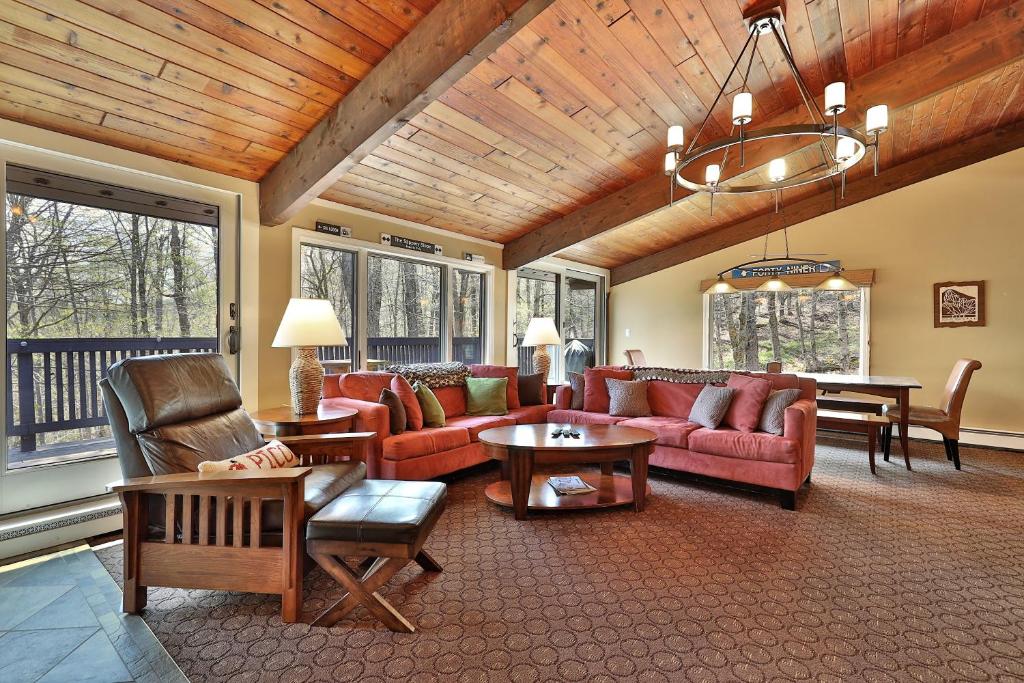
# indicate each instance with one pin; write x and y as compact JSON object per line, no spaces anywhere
{"x":363,"y":591}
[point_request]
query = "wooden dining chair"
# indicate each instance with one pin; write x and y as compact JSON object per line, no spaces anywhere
{"x":774,"y":366}
{"x":945,"y":419}
{"x":635,"y":357}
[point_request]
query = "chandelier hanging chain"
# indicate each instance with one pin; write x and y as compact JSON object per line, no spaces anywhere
{"x":718,"y":97}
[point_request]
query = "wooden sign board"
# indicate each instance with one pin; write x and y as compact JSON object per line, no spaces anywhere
{"x":410,"y":244}
{"x":331,"y":229}
{"x":786,"y":269}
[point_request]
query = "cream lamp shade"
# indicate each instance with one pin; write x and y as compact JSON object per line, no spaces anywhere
{"x":541,"y":332}
{"x":309,"y":322}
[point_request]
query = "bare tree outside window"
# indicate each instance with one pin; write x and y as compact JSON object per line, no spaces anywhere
{"x":404,"y":310}
{"x":326,"y":273}
{"x":467,"y":316}
{"x":85,"y":287}
{"x":808,"y":330}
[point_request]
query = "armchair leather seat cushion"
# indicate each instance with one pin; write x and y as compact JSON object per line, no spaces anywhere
{"x":671,"y":431}
{"x":426,"y":441}
{"x":322,"y":485}
{"x":475,"y":424}
{"x":380,"y":511}
{"x":731,"y":443}
{"x":177,"y":448}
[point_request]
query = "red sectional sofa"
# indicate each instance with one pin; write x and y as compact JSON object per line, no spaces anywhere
{"x":429,"y":452}
{"x":782,"y":462}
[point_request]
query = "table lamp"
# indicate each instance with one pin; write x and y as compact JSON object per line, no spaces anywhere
{"x":541,"y":333}
{"x":307,"y":324}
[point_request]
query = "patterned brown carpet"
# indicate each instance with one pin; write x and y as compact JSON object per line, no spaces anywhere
{"x":903,"y":576}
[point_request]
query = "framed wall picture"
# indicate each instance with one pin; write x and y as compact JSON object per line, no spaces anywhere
{"x":959,"y":304}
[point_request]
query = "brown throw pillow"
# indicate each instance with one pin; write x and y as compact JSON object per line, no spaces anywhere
{"x":577,"y":382}
{"x":627,"y":398}
{"x":396,"y":410}
{"x":531,"y":390}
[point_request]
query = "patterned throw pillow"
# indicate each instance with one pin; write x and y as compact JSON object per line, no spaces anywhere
{"x":434,"y":375}
{"x":577,"y":382}
{"x":682,"y":376}
{"x":627,"y":398}
{"x":270,"y":457}
{"x":396,"y":410}
{"x":531,"y":390}
{"x":711,"y":405}
{"x":773,"y":415}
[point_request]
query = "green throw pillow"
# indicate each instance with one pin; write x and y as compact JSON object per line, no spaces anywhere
{"x":433,"y":413}
{"x":486,"y":396}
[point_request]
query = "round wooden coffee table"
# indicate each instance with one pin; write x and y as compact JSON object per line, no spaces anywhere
{"x":521,"y":447}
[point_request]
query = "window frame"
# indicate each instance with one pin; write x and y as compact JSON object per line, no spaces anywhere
{"x":363,"y":249}
{"x":864,"y":367}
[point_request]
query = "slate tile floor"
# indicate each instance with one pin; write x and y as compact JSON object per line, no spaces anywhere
{"x":61,"y":621}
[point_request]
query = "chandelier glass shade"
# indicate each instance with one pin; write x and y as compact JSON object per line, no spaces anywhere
{"x":841,"y":147}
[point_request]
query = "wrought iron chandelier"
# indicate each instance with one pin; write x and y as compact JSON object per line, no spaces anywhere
{"x":841,"y":147}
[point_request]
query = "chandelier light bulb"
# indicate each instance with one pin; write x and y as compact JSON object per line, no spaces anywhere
{"x":777,"y":170}
{"x":712,"y":174}
{"x":877,"y":119}
{"x":835,"y":98}
{"x":846,"y":148}
{"x":670,"y":163}
{"x":675,"y":137}
{"x":742,"y":108}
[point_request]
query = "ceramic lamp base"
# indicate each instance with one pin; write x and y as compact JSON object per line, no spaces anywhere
{"x":306,"y":379}
{"x":541,"y":361}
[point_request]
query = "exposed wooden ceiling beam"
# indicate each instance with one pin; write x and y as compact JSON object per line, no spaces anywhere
{"x":941,"y":161}
{"x":453,"y":38}
{"x":979,"y":47}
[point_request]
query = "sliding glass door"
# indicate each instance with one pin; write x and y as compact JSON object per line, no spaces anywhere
{"x":329,"y":273}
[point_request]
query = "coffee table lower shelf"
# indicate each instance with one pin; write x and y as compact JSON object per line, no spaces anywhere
{"x":612,"y":490}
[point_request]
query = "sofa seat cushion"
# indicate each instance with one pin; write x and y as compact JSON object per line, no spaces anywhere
{"x":731,"y":443}
{"x":671,"y":431}
{"x":380,"y":511}
{"x":475,"y":424}
{"x":426,"y":441}
{"x":320,"y":487}
{"x":582,"y":417}
{"x":530,"y":415}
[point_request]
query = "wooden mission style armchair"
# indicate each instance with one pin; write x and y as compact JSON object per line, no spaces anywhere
{"x":234,"y":530}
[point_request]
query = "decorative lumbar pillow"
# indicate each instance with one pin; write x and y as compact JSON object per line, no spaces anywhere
{"x":413,"y":412}
{"x":396,"y":410}
{"x":627,"y":398}
{"x":745,"y":409}
{"x":773,"y":415}
{"x":272,"y":456}
{"x":711,"y":405}
{"x":433,"y":375}
{"x":578,"y":384}
{"x":433,"y":413}
{"x":486,"y":396}
{"x":531,"y":390}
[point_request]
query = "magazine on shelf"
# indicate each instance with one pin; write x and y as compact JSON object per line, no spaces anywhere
{"x":570,"y":486}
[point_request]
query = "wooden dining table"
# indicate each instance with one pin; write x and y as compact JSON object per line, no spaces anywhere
{"x":886,"y":386}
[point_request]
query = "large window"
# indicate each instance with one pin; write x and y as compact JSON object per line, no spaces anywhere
{"x":536,"y":297}
{"x":467,"y":316}
{"x":328,"y":273}
{"x":95,"y":273}
{"x":808,"y":330}
{"x":403,"y":310}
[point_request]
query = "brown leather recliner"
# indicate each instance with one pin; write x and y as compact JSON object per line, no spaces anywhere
{"x":944,"y":420}
{"x":234,"y":530}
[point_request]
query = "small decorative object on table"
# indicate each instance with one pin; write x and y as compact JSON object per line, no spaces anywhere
{"x":307,"y":324}
{"x":540,"y":334}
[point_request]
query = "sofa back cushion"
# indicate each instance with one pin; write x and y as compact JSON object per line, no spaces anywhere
{"x":670,"y":399}
{"x":745,"y":409}
{"x":363,"y":386}
{"x":497,"y":371}
{"x":595,"y":390}
{"x":452,"y":400}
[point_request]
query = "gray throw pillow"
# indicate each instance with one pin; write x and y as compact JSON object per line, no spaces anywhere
{"x":396,"y":410}
{"x":627,"y":398}
{"x":711,"y":405}
{"x":578,"y":384}
{"x":773,"y":415}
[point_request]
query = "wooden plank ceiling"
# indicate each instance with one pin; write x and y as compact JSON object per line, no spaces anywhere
{"x":568,"y":110}
{"x":224,"y":85}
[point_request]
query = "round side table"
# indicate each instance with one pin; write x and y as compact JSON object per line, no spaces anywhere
{"x":282,"y":421}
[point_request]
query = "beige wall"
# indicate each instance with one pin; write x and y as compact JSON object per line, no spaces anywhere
{"x":964,"y":225}
{"x":275,"y":280}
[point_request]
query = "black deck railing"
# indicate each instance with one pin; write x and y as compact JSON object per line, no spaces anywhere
{"x":409,"y":350}
{"x":54,"y":383}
